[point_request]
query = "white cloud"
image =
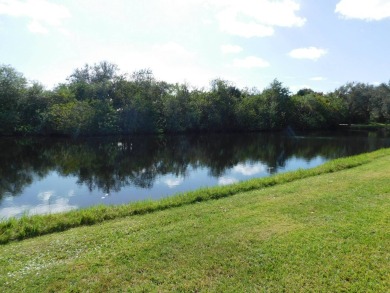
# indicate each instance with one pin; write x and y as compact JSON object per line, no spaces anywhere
{"x":65,"y":32}
{"x":228,"y":49}
{"x":51,"y":203}
{"x":48,"y":203}
{"x":170,"y":62}
{"x":46,"y":195}
{"x":318,"y":78}
{"x":365,"y":10}
{"x":8,"y":197}
{"x":311,"y":53}
{"x":248,"y":170}
{"x":250,"y":62}
{"x":58,"y":206}
{"x":175,"y":50}
{"x":229,"y":24}
{"x":171,"y":183}
{"x":250,"y":18}
{"x":41,"y":13}
{"x":226,"y":180}
{"x":36,"y":27}
{"x":9,"y":212}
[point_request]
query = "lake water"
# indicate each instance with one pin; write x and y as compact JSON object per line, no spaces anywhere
{"x":46,"y":175}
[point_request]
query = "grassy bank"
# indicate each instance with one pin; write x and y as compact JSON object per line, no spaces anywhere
{"x":326,"y":233}
{"x":31,"y":226}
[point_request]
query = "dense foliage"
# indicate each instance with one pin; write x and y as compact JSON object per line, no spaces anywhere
{"x":97,"y":100}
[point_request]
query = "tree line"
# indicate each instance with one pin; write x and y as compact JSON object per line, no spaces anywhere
{"x":98,"y":100}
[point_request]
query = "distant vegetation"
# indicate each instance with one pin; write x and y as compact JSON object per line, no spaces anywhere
{"x":97,"y":100}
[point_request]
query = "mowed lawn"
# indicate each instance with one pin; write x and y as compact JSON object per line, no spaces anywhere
{"x":327,"y":233}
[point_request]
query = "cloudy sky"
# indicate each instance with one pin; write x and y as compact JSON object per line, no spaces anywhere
{"x":304,"y":43}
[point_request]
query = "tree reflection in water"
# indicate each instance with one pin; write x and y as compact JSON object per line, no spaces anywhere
{"x":109,"y":164}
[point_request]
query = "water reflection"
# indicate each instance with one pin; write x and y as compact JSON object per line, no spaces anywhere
{"x":249,"y":169}
{"x":48,"y":203}
{"x":52,"y":175}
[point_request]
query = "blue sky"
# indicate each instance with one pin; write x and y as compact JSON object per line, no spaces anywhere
{"x":319,"y":44}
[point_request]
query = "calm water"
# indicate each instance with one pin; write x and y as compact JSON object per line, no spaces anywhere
{"x":54,"y":175}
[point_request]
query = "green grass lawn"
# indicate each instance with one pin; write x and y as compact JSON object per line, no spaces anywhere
{"x":324,"y":233}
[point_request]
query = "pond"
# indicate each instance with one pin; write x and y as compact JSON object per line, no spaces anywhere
{"x":47,"y":175}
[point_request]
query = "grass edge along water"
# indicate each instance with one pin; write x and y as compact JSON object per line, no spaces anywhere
{"x":36,"y":225}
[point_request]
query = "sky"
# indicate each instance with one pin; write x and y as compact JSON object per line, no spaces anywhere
{"x":320,"y":44}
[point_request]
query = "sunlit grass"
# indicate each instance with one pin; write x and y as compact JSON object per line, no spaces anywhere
{"x":326,"y":233}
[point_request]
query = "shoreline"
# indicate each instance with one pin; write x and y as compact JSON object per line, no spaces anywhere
{"x":36,"y":225}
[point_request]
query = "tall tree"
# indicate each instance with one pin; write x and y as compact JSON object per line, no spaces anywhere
{"x":224,"y":97}
{"x":94,"y":82}
{"x":380,"y":103}
{"x":33,"y":108}
{"x":357,"y":97}
{"x":277,"y":98}
{"x":12,"y":89}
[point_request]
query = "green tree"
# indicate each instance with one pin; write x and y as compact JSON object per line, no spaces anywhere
{"x":34,"y":105}
{"x":105,"y":118}
{"x":143,"y":111}
{"x":357,"y":97}
{"x":177,"y":109}
{"x":313,"y":110}
{"x":223,"y":97}
{"x":94,"y":82}
{"x":12,"y":90}
{"x":72,"y":118}
{"x":277,"y":100}
{"x":380,"y":104}
{"x":252,"y":114}
{"x":199,"y":115}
